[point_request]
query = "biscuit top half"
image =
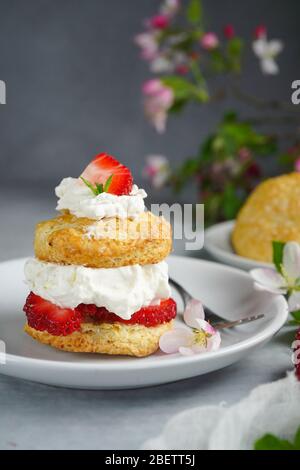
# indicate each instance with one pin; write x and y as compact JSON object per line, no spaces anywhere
{"x":103,"y":221}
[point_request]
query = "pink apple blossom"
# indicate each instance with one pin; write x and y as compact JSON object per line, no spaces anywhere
{"x":197,"y":336}
{"x":148,"y":45}
{"x":170,"y":7}
{"x":158,"y":100}
{"x":157,"y":170}
{"x":209,"y":41}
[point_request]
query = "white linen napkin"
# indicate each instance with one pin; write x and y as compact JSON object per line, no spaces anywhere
{"x":271,"y":408}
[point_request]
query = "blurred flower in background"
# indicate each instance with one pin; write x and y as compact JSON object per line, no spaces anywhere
{"x":157,"y":100}
{"x":185,"y":56}
{"x":157,"y":170}
{"x":209,"y":41}
{"x":267,"y":51}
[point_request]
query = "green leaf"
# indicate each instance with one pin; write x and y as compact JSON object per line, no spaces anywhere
{"x":235,"y":47}
{"x":218,"y":62}
{"x":234,"y":54}
{"x":297,"y":439}
{"x":89,"y":185}
{"x":296,"y":316}
{"x":187,"y":171}
{"x":194,"y":11}
{"x":184,"y":91}
{"x":278,"y":254}
{"x":271,"y":442}
{"x":231,"y":202}
{"x":293,"y":323}
{"x":107,"y":183}
{"x":178,"y":106}
{"x":230,"y":116}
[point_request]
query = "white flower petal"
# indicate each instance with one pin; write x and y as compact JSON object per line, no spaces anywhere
{"x":294,"y":301}
{"x":186,"y":351}
{"x":171,"y":341}
{"x":260,"y":47}
{"x":291,"y":260}
{"x":199,"y":349}
{"x":205,"y":326}
{"x":269,"y":66}
{"x":193,"y":312}
{"x":214,"y":343}
{"x":269,"y":289}
{"x":161,"y":65}
{"x":275,"y":47}
{"x":269,"y":279}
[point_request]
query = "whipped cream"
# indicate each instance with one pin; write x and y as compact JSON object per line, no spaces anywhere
{"x":122,"y":291}
{"x":74,"y":196}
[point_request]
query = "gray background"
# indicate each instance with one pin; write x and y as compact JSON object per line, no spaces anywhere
{"x":74,"y":76}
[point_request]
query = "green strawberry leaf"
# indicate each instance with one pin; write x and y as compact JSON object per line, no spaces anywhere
{"x":98,"y":188}
{"x":89,"y":185}
{"x":107,"y":183}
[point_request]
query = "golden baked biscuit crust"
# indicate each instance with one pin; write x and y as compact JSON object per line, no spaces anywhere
{"x":271,"y":213}
{"x":66,"y":239}
{"x":106,"y":338}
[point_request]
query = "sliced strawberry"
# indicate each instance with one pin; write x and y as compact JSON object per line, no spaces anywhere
{"x":45,"y":316}
{"x":102,"y":167}
{"x":147,"y":316}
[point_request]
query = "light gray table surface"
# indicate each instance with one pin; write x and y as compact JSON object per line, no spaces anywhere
{"x":34,"y":416}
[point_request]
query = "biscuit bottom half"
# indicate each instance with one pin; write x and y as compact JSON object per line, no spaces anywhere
{"x":106,"y":338}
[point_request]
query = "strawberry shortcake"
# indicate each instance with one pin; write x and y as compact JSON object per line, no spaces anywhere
{"x":99,"y":279}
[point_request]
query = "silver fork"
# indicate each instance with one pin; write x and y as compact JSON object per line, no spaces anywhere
{"x":216,"y":321}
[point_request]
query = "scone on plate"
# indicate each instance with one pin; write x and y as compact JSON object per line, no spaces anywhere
{"x":99,"y":279}
{"x":271,"y":213}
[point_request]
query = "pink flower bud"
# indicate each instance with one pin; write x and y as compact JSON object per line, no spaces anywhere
{"x":260,"y":31}
{"x":228,"y":31}
{"x":159,"y":22}
{"x":182,"y":69}
{"x":209,"y":41}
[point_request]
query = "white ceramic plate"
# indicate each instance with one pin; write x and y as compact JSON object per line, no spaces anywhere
{"x":217,"y":242}
{"x":227,"y":290}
